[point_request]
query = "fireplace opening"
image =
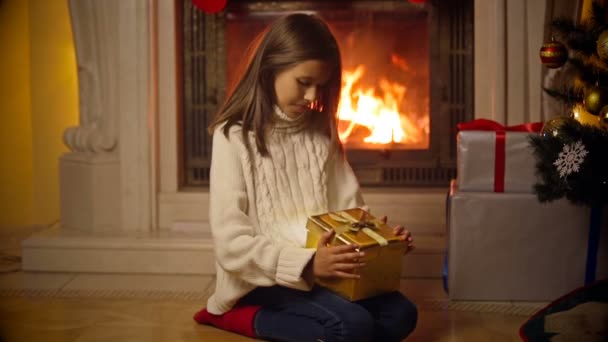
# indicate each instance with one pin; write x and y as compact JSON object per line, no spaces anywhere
{"x":407,"y":80}
{"x":385,"y":90}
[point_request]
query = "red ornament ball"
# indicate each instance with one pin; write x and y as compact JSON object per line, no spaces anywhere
{"x":553,"y":54}
{"x":210,"y":6}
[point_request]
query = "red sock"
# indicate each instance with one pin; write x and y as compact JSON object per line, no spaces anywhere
{"x":238,"y":320}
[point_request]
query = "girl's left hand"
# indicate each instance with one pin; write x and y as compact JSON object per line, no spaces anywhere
{"x":403,"y":235}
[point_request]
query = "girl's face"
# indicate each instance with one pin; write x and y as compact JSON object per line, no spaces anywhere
{"x":298,"y":87}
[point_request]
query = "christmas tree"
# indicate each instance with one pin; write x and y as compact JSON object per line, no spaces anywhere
{"x":572,"y":149}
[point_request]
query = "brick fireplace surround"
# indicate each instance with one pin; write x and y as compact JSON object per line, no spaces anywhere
{"x":121,"y":206}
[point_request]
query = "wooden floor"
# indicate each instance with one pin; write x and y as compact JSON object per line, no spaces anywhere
{"x":110,"y":307}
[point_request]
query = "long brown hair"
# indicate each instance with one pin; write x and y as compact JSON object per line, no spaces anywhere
{"x":290,"y":40}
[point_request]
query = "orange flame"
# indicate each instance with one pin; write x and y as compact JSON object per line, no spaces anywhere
{"x":380,"y":115}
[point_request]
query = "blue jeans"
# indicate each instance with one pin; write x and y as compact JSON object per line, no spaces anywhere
{"x":321,"y":315}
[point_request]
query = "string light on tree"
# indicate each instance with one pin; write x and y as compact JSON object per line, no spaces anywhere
{"x":603,"y":117}
{"x":580,"y":114}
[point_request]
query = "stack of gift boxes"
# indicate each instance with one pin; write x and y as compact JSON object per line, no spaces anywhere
{"x":503,"y":243}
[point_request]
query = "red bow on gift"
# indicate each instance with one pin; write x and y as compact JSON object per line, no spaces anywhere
{"x":489,"y":125}
{"x":499,"y":148}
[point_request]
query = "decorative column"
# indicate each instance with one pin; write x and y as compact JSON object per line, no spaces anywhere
{"x":105,"y":179}
{"x":108,"y":179}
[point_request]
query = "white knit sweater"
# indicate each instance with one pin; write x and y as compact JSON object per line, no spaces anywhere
{"x":259,"y":207}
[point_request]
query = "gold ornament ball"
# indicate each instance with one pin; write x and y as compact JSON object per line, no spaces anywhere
{"x":602,"y":45}
{"x":595,"y":98}
{"x":553,"y":127}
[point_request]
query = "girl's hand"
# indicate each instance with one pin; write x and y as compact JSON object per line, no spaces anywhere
{"x":336,"y":261}
{"x":403,"y":235}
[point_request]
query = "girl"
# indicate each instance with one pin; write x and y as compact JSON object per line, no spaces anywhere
{"x":276,"y":160}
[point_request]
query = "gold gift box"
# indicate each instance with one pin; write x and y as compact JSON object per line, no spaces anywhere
{"x":383,"y":252}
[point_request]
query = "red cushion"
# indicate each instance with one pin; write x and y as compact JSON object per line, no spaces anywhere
{"x":238,"y":320}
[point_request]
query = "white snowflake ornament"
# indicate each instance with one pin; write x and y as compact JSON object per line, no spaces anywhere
{"x":570,"y":158}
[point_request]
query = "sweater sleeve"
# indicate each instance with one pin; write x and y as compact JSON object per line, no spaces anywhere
{"x":343,"y":186}
{"x":251,"y":257}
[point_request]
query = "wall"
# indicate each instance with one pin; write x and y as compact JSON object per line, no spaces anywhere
{"x":16,"y":196}
{"x":54,"y":100}
{"x":38,"y":100}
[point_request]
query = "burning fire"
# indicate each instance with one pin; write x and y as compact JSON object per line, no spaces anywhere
{"x":379,"y":115}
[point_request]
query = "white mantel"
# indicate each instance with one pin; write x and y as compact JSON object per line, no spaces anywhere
{"x":121,"y":206}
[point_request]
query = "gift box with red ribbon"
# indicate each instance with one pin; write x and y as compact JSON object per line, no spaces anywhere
{"x":495,"y":158}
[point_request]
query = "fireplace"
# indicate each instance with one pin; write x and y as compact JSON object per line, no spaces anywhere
{"x":124,"y":206}
{"x":407,"y":81}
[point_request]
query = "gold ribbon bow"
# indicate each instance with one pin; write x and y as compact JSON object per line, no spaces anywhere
{"x":354,"y":225}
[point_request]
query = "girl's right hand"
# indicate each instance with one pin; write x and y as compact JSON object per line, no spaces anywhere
{"x":336,"y":261}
